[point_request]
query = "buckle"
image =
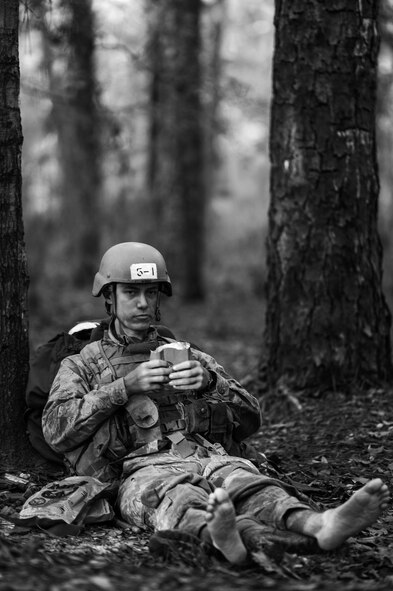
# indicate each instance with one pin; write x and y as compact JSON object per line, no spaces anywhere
{"x":172,"y":426}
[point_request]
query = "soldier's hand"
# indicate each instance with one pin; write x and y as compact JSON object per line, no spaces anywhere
{"x":189,"y":375}
{"x":150,"y":375}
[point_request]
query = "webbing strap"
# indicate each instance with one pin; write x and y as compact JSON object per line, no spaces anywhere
{"x":108,"y":363}
{"x":184,"y":447}
{"x":173,"y":426}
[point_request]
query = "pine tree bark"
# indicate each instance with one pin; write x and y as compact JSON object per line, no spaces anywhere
{"x":327,"y":322}
{"x":14,"y":351}
{"x":176,"y":171}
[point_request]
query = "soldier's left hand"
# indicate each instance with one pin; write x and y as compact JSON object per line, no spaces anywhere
{"x":189,"y":375}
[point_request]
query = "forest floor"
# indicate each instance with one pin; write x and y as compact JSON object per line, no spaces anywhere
{"x":329,"y":445}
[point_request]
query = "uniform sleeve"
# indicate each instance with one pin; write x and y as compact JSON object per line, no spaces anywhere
{"x":77,"y":405}
{"x":243,"y":405}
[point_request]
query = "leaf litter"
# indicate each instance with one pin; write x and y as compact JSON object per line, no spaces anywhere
{"x":328,"y":449}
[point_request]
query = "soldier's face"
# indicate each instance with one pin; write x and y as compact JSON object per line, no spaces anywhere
{"x":136,"y":307}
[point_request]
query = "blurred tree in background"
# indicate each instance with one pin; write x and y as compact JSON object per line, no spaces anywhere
{"x":175,"y":174}
{"x":327,"y":321}
{"x":213,"y":24}
{"x":385,"y":136}
{"x":215,"y":99}
{"x":13,"y":271}
{"x":68,"y":41}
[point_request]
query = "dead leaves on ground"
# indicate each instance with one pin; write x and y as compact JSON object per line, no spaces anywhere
{"x":329,"y":449}
{"x":334,"y":446}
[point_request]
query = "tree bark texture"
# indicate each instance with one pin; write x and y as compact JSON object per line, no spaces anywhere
{"x":14,"y":351}
{"x":69,"y":54}
{"x":176,"y":171}
{"x":327,"y":322}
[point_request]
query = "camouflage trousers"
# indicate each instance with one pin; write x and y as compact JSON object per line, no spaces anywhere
{"x":166,"y":491}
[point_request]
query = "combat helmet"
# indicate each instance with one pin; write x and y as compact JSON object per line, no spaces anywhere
{"x":132,"y":262}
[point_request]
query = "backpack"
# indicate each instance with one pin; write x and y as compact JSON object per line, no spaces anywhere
{"x":44,"y":365}
{"x":63,"y":507}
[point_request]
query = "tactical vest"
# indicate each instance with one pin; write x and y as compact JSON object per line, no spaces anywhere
{"x":161,"y":412}
{"x":165,"y":416}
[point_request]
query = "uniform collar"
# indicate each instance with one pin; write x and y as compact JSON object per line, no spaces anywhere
{"x":150,"y":338}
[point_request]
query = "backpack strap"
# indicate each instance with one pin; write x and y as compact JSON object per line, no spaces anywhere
{"x":107,"y":362}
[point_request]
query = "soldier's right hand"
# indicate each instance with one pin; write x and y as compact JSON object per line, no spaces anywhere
{"x":150,"y":375}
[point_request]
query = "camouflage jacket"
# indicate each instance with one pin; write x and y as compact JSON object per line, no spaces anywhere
{"x":88,"y":419}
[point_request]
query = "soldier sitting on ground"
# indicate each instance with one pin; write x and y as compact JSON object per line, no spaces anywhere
{"x":171,"y":433}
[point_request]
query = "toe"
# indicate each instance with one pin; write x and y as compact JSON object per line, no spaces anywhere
{"x":374,"y":485}
{"x":221,"y":495}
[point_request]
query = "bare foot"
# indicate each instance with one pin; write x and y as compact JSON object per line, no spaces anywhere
{"x":221,"y":523}
{"x":356,"y":514}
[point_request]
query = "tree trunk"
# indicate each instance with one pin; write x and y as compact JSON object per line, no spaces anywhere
{"x":14,"y":358}
{"x":214,"y":21}
{"x":385,"y":137}
{"x":327,"y":323}
{"x":175,"y":172}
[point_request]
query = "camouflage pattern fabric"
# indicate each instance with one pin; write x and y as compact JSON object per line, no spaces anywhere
{"x":166,"y":478}
{"x":86,"y":419}
{"x":165,"y":491}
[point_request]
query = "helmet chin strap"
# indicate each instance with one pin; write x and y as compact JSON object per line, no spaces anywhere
{"x":118,"y":324}
{"x":158,"y":312}
{"x":110,"y":307}
{"x":114,"y":289}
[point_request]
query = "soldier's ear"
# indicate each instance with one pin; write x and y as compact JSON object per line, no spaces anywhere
{"x":107,"y":292}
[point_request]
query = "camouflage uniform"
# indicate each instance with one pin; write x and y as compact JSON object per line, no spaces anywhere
{"x":168,"y":450}
{"x":166,"y":491}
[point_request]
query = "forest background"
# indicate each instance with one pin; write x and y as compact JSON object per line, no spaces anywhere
{"x":234,"y":266}
{"x":238,"y":188}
